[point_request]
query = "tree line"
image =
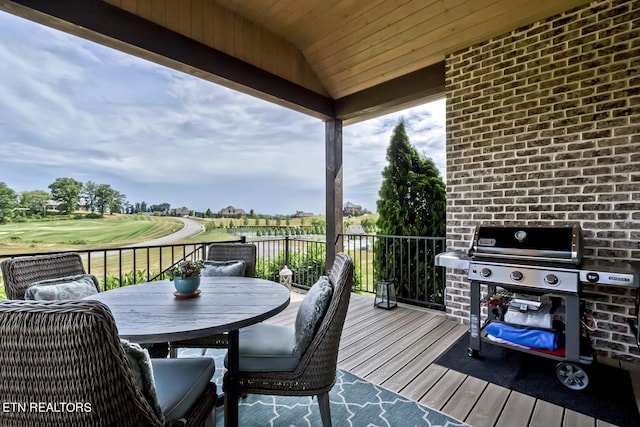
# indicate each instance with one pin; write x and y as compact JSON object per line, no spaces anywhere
{"x":69,"y":195}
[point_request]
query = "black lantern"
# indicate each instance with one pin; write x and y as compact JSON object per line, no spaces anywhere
{"x":385,"y":294}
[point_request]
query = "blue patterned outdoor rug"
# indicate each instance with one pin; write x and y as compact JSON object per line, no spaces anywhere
{"x":354,"y":402}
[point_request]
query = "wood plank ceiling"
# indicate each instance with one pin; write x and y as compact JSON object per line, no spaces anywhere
{"x":365,"y":57}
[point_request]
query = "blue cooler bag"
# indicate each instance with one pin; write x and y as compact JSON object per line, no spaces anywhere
{"x":532,"y":338}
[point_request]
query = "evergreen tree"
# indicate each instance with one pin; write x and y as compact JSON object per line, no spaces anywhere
{"x":412,"y":203}
{"x":412,"y":197}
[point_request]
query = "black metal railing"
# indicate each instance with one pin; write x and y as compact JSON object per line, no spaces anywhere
{"x":407,"y":260}
{"x":115,"y":267}
{"x":304,"y":257}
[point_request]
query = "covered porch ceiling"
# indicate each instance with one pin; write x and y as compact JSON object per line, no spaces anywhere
{"x":347,"y":60}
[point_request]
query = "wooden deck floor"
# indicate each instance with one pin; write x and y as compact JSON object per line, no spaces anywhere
{"x":396,"y":349}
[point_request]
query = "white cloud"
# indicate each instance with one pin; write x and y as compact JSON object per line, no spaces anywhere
{"x":73,"y":108}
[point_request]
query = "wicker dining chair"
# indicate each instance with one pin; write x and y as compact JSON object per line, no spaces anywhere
{"x":19,"y":273}
{"x":221,"y":252}
{"x":315,"y":374}
{"x":235,"y":251}
{"x":65,"y":357}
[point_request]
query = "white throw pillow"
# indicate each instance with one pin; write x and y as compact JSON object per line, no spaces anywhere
{"x":63,"y":288}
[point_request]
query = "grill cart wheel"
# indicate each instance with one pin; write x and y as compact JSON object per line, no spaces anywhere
{"x":572,"y":376}
{"x":472,"y":353}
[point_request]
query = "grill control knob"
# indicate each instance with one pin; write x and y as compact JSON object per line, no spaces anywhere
{"x":551,"y":279}
{"x":593,"y":277}
{"x":516,"y":276}
{"x":485,"y":272}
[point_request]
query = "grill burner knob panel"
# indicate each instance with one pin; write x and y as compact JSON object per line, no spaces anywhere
{"x":551,"y":279}
{"x":525,"y":276}
{"x":516,"y":276}
{"x":485,"y":272}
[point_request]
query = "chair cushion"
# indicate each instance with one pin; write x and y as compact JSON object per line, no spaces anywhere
{"x":179,"y":384}
{"x":224,"y":268}
{"x":140,"y":364}
{"x":311,"y":312}
{"x":69,"y":287}
{"x":265,"y":348}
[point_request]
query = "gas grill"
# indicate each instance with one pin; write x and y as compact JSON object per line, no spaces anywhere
{"x":527,"y":270}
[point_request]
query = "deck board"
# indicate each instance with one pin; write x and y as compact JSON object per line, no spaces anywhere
{"x":546,"y":414}
{"x":443,"y":390}
{"x":517,"y":410}
{"x":396,"y":349}
{"x":487,"y":409}
{"x":461,"y":403}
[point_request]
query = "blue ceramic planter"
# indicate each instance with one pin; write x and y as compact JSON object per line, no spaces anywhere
{"x":186,"y":285}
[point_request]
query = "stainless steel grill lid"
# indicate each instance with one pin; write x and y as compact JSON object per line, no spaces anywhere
{"x":556,"y":244}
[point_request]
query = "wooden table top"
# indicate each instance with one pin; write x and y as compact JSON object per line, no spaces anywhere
{"x":150,"y":313}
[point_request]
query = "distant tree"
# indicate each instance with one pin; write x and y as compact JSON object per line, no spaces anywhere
{"x":8,"y":202}
{"x":89,"y":195}
{"x":104,"y":197}
{"x":319,"y":226}
{"x":252,"y":214}
{"x":412,"y":203}
{"x":118,"y":203}
{"x":162,"y":207}
{"x":35,"y":201}
{"x":368,"y":225}
{"x":143,"y":207}
{"x":208,"y":214}
{"x":67,"y":192}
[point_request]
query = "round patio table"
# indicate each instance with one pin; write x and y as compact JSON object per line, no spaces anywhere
{"x":150,"y":313}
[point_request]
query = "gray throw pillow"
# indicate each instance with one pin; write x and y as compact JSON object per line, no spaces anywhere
{"x":140,"y":365}
{"x":223,"y":268}
{"x":311,"y":312}
{"x":69,"y":287}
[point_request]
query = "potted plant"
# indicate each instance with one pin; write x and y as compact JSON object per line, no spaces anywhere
{"x":186,"y":276}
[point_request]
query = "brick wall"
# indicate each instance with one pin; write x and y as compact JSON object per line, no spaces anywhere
{"x":543,"y":128}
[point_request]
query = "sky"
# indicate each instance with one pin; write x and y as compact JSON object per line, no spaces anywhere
{"x":73,"y":108}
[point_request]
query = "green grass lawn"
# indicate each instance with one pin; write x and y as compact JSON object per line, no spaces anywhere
{"x":70,"y":234}
{"x":108,"y":232}
{"x":112,"y":231}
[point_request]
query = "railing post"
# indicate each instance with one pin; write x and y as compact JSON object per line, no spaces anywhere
{"x":286,"y":250}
